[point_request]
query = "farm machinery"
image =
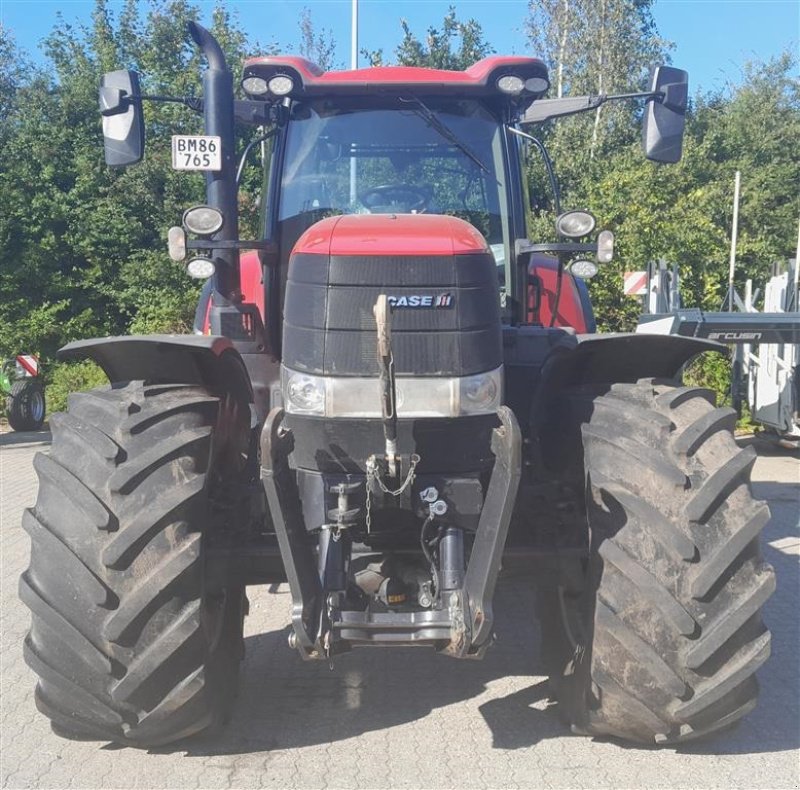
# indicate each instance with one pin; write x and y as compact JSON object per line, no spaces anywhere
{"x":766,"y":361}
{"x":23,"y":390}
{"x":390,"y":395}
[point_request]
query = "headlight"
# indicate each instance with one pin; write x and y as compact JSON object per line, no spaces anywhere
{"x":575,"y":224}
{"x":480,"y":393}
{"x":304,"y":394}
{"x":359,"y":397}
{"x":202,"y":220}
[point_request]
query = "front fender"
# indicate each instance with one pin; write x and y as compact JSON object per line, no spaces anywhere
{"x":206,"y":360}
{"x":612,"y":358}
{"x":601,"y":359}
{"x":627,"y":356}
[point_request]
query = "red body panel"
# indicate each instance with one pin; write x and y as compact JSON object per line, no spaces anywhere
{"x":391,"y":234}
{"x":252,"y":285}
{"x":477,"y":78}
{"x":252,"y":281}
{"x":570,"y":309}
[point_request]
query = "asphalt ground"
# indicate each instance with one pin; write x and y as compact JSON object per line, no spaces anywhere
{"x":404,"y":718}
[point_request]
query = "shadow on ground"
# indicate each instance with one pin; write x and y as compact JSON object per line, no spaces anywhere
{"x":287,"y":703}
{"x":12,"y":438}
{"x":767,"y":446}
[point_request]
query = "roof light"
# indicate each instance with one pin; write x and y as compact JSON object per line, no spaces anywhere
{"x":583,"y":269}
{"x":605,"y":246}
{"x":256,"y":86}
{"x":281,"y":85}
{"x":511,"y":83}
{"x":200,"y":268}
{"x":537,"y":85}
{"x":575,"y":224}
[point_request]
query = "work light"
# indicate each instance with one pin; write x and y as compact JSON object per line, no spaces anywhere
{"x":200,"y":268}
{"x":202,"y":220}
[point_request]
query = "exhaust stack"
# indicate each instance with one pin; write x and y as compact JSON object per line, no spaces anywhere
{"x":221,"y":191}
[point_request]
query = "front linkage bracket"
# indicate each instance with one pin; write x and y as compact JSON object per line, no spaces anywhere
{"x":462,"y":628}
{"x":490,"y":539}
{"x":283,"y":498}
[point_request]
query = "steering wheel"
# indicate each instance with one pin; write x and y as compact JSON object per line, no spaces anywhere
{"x":403,"y":198}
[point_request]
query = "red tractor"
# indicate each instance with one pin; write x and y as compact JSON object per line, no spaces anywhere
{"x":393,"y":394}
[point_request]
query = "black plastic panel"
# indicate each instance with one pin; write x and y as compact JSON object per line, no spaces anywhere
{"x":341,"y":353}
{"x":342,"y":445}
{"x":329,"y":327}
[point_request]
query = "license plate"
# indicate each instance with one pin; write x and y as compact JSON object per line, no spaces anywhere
{"x":196,"y":152}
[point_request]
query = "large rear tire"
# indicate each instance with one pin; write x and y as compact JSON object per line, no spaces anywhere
{"x":667,"y":634}
{"x":127,"y":640}
{"x":25,"y":405}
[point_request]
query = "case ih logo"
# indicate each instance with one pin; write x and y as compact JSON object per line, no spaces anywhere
{"x":418,"y":300}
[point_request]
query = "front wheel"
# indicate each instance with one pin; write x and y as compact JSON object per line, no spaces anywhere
{"x":25,"y":405}
{"x":667,"y":635}
{"x":128,"y":641}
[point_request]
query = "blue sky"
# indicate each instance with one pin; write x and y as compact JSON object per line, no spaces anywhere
{"x":712,"y":37}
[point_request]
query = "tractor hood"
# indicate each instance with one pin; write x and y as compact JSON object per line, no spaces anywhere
{"x":440,"y":279}
{"x":391,"y":234}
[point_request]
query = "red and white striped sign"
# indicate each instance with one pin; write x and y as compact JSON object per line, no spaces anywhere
{"x":29,"y":364}
{"x":635,"y":283}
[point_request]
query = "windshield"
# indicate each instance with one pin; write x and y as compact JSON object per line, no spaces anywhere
{"x":386,"y":156}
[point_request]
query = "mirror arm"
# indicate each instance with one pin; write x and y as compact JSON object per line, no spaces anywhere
{"x":253,"y":113}
{"x":188,"y":101}
{"x":231,"y":244}
{"x":548,"y":163}
{"x":524,"y":247}
{"x":657,"y":95}
{"x":593,"y":102}
{"x":675,"y":102}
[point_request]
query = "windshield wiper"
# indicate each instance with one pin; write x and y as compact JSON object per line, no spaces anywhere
{"x":436,"y":124}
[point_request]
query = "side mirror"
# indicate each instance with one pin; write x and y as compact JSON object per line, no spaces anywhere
{"x":123,"y":122}
{"x":665,"y":117}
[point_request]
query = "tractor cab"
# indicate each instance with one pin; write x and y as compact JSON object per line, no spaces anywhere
{"x":397,"y":140}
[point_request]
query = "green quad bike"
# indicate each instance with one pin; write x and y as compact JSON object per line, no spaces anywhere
{"x":23,"y":389}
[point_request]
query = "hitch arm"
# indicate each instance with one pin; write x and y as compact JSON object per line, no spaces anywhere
{"x":285,"y":508}
{"x":490,"y":539}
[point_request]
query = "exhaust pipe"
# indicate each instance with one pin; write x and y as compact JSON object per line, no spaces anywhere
{"x":221,"y":189}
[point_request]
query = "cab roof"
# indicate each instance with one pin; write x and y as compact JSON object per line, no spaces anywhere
{"x":479,"y":79}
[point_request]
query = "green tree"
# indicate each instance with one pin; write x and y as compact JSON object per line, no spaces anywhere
{"x":82,"y":248}
{"x":318,"y":47}
{"x":594,"y":47}
{"x":455,"y":45}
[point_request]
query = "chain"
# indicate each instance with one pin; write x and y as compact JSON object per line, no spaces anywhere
{"x":326,"y":639}
{"x":406,"y":483}
{"x":370,"y":478}
{"x":374,"y":474}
